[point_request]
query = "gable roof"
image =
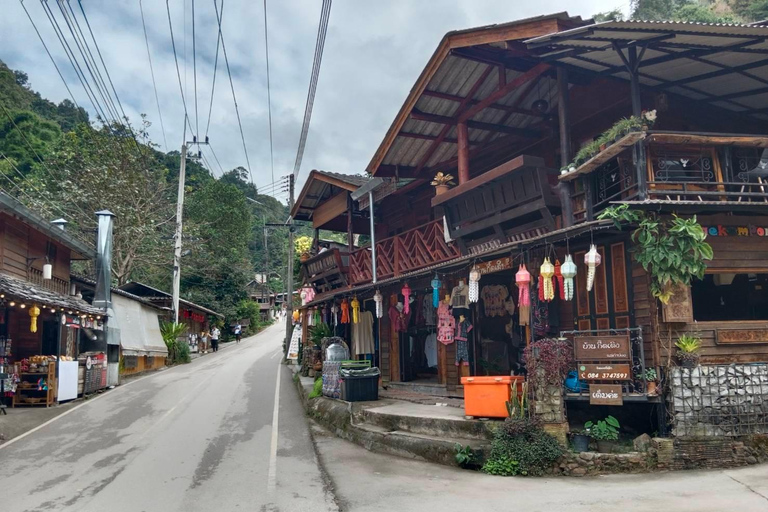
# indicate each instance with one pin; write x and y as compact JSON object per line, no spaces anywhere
{"x":322,"y":186}
{"x":150,"y":293}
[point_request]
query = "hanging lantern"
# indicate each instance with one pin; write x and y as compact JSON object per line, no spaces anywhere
{"x":316,"y":317}
{"x":344,"y":311}
{"x":296,"y":315}
{"x":355,"y":310}
{"x":523,"y":282}
{"x":48,"y":271}
{"x":307,"y":295}
{"x":547,"y":272}
{"x":436,"y":284}
{"x":378,"y":299}
{"x":335,"y":314}
{"x":474,"y":285}
{"x":592,"y":259}
{"x":569,"y":272}
{"x":34,"y":312}
{"x":559,"y":278}
{"x":406,"y":291}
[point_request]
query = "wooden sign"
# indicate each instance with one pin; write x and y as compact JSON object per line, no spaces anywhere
{"x":602,"y":348}
{"x":741,"y":336}
{"x":489,"y":267}
{"x":679,"y":309}
{"x":604,"y":372}
{"x":605,"y":394}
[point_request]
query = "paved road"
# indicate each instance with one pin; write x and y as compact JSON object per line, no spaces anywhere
{"x":193,"y":437}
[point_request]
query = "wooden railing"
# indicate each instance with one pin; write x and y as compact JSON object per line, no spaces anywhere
{"x":327,"y":270}
{"x":55,"y":284}
{"x":417,"y":248}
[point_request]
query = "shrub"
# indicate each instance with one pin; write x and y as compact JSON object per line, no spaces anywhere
{"x":317,"y":391}
{"x":521,"y":447}
{"x":182,"y":352}
{"x":549,"y":359}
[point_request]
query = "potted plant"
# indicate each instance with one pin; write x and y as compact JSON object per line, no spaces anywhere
{"x":688,"y":346}
{"x":303,"y":246}
{"x":651,"y":379}
{"x":581,"y":440}
{"x":605,"y":432}
{"x":442,"y":183}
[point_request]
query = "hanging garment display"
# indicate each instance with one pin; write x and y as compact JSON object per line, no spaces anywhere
{"x":568,"y":271}
{"x":523,"y":282}
{"x":463,"y":328}
{"x":493,"y":300}
{"x":335,"y":314}
{"x":474,"y":285}
{"x":406,"y":291}
{"x":428,"y":310}
{"x":344,"y":311}
{"x":307,"y":295}
{"x":460,"y":300}
{"x":430,"y":350}
{"x":436,"y":284}
{"x":546,"y":284}
{"x":592,"y":259}
{"x":559,"y":278}
{"x":316,"y":320}
{"x":355,"y":310}
{"x":446,"y":324}
{"x":362,"y":334}
{"x":378,"y":300}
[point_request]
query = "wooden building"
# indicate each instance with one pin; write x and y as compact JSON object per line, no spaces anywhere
{"x":505,"y":109}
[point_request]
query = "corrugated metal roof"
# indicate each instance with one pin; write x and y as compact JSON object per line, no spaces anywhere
{"x":315,"y":190}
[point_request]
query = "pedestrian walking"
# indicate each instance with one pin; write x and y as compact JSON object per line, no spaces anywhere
{"x":238,"y":332}
{"x":215,"y":333}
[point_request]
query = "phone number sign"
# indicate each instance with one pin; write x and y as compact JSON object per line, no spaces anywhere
{"x":604,"y":372}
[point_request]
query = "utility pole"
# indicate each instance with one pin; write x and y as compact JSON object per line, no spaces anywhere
{"x":289,"y":280}
{"x":266,"y":262}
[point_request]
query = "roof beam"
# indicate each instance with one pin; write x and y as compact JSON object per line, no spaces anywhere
{"x":497,"y":106}
{"x":725,"y":70}
{"x":423,"y":136}
{"x":452,"y":121}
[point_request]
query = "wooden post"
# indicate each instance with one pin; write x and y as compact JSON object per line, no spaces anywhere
{"x":316,"y":242}
{"x":463,"y":142}
{"x":563,"y":114}
{"x":634,"y":81}
{"x":350,"y":236}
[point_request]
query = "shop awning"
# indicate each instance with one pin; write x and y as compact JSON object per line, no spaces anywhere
{"x":138,"y":326}
{"x":24,"y":291}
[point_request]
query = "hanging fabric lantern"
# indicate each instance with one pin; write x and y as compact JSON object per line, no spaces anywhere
{"x":316,"y":317}
{"x":547,"y":272}
{"x":436,"y":284}
{"x":48,"y":271}
{"x":34,"y":312}
{"x":344,"y":311}
{"x":569,"y":272}
{"x":592,"y":259}
{"x":474,"y":285}
{"x":559,"y":278}
{"x":406,"y":291}
{"x":355,"y":310}
{"x":378,"y":299}
{"x":523,"y":282}
{"x":335,"y":314}
{"x":296,"y":315}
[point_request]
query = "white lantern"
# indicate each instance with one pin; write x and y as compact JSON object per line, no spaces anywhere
{"x":568,"y":270}
{"x":592,"y":259}
{"x":378,"y":299}
{"x":47,"y":271}
{"x":474,"y":285}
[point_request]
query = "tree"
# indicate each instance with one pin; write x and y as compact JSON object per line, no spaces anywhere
{"x":25,"y":137}
{"x":614,"y":15}
{"x":682,"y":10}
{"x":757,"y":10}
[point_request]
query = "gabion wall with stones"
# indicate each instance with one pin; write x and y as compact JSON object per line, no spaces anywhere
{"x":723,"y":400}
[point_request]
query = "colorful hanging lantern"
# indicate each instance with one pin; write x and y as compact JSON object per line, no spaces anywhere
{"x":474,"y":285}
{"x":436,"y":284}
{"x":344,"y":311}
{"x":406,"y":291}
{"x":34,"y":312}
{"x":559,"y":278}
{"x":378,"y":299}
{"x":307,"y":294}
{"x":546,"y":273}
{"x":316,"y":317}
{"x":592,"y":259}
{"x":523,"y":282}
{"x":355,"y":310}
{"x":296,"y":315}
{"x":569,"y":272}
{"x":335,"y":314}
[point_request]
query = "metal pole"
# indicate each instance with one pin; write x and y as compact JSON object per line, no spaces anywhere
{"x":373,"y":237}
{"x":289,"y":277}
{"x":177,"y":240}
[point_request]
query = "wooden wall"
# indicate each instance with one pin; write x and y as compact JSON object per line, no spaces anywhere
{"x":19,"y":242}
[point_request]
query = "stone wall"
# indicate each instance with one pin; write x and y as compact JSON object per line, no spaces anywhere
{"x":592,"y":463}
{"x":724,"y":400}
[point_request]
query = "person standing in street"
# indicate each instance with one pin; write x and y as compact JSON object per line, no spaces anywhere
{"x":215,"y":333}
{"x":238,"y":332}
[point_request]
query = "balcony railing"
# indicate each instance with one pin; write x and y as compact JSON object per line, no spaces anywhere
{"x":417,"y":248}
{"x":55,"y":284}
{"x":327,"y":270}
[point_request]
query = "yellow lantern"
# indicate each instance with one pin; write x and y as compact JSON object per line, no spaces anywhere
{"x":34,"y":312}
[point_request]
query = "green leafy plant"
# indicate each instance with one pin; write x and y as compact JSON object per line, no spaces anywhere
{"x":517,"y":407}
{"x":522,"y":447}
{"x":182,"y":352}
{"x":465,"y":457}
{"x":673,"y":250}
{"x":170,"y":332}
{"x":319,"y":332}
{"x":649,"y":374}
{"x":317,"y":390}
{"x":603,"y":430}
{"x":621,"y":128}
{"x":688,"y":343}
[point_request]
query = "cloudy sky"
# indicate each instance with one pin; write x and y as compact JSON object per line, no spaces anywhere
{"x":374,"y":52}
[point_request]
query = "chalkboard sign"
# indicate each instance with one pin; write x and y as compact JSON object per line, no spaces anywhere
{"x":95,"y":373}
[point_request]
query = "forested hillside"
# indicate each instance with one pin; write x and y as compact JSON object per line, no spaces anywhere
{"x":63,"y":164}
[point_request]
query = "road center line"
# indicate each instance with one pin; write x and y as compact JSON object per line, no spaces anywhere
{"x":272,"y":474}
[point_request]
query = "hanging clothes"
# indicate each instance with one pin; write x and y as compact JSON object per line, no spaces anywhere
{"x":462,"y":344}
{"x":446,"y":325}
{"x":362,"y":334}
{"x":430,"y":350}
{"x":493,"y":299}
{"x":460,"y":300}
{"x":428,"y":310}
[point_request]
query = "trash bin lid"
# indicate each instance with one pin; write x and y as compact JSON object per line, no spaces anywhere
{"x":350,"y":373}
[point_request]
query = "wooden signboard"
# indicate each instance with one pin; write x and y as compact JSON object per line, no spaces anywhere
{"x":605,"y":394}
{"x":602,"y":348}
{"x":679,"y":309}
{"x":489,"y":267}
{"x":741,"y":336}
{"x":604,"y":372}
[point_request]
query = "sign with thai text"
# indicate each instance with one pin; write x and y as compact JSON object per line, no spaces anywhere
{"x":601,"y":348}
{"x":748,"y":230}
{"x":741,"y":336}
{"x":605,"y":394}
{"x":293,"y":348}
{"x":489,"y":267}
{"x":604,"y":372}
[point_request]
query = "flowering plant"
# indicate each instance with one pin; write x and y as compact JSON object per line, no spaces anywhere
{"x":442,"y":179}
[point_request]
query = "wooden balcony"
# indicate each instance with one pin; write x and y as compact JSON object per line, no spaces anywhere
{"x":508,"y":203}
{"x":414,"y":249}
{"x":55,"y":284}
{"x":693,"y":171}
{"x":327,"y":270}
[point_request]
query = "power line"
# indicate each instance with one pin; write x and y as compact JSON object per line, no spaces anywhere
{"x":194,"y":67}
{"x":232,"y":86}
{"x":215,"y":157}
{"x":269,"y":93}
{"x":178,"y":73}
{"x":319,"y":46}
{"x":215,"y":66}
{"x":152,"y":72}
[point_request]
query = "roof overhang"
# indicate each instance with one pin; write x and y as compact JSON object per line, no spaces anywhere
{"x":149,"y":293}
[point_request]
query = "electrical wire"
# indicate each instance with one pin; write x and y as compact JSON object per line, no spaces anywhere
{"x":194,"y":73}
{"x":152,"y":72}
{"x":269,"y":93}
{"x":178,"y":74}
{"x":215,"y":157}
{"x":215,"y":67}
{"x":319,"y":46}
{"x":232,"y":86}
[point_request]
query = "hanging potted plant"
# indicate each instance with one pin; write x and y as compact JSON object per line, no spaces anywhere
{"x":688,"y":346}
{"x":303,"y":246}
{"x":651,"y":380}
{"x":442,"y":183}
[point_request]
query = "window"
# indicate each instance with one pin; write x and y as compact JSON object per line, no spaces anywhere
{"x":724,"y":297}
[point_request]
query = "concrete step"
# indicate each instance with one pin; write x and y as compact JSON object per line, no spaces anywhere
{"x":428,"y":421}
